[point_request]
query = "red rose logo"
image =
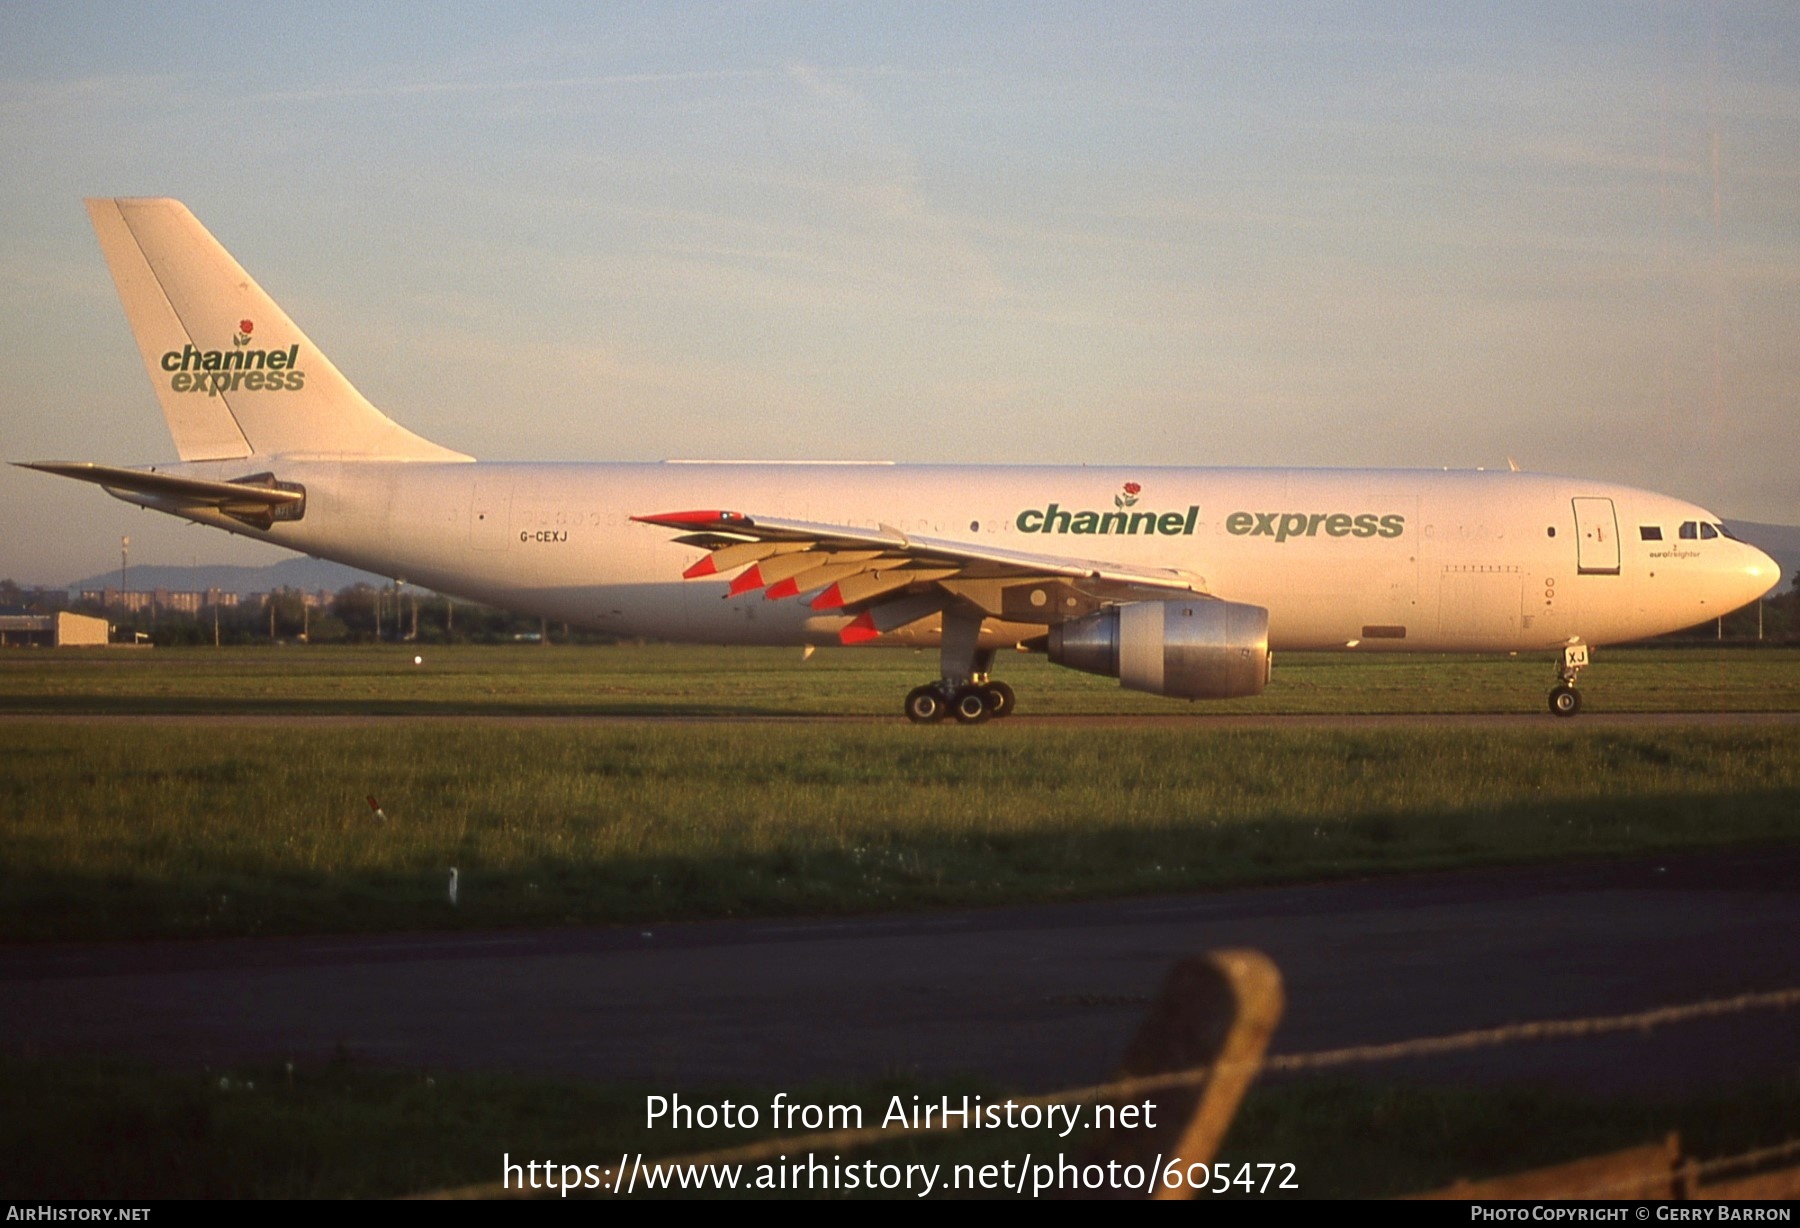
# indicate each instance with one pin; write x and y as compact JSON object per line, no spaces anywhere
{"x":1131,"y":488}
{"x":1129,"y":497}
{"x":246,"y":327}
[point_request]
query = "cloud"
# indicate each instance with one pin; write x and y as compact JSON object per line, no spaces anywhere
{"x":28,"y":100}
{"x":538,"y":85}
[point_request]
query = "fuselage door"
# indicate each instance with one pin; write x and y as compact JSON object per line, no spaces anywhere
{"x":1596,"y":537}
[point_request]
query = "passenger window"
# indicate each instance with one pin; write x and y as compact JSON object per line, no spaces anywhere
{"x":1689,"y":530}
{"x":1707,"y":532}
{"x":1650,"y":532}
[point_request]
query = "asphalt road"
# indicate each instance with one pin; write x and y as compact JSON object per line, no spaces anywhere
{"x":1035,"y":998}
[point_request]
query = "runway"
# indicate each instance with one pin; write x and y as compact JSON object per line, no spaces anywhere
{"x":1032,"y":998}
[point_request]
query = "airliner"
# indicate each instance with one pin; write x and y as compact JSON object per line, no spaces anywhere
{"x":1178,"y":582}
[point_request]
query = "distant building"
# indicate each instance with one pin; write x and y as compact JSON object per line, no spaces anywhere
{"x":313,"y":601}
{"x":59,"y":630}
{"x":138,"y":601}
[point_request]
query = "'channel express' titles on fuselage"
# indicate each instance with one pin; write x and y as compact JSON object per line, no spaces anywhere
{"x":224,"y":371}
{"x":1281,"y":526}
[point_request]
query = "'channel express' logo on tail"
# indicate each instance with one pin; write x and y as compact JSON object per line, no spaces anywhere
{"x":237,"y":369}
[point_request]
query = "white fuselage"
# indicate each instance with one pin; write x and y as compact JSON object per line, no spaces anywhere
{"x":1372,"y":559}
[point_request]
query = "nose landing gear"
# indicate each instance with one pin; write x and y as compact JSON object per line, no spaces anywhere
{"x":1565,"y":700}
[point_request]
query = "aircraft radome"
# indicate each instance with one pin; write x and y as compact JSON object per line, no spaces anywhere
{"x":1176,"y":581}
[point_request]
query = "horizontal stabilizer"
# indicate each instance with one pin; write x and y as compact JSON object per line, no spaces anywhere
{"x":256,"y":499}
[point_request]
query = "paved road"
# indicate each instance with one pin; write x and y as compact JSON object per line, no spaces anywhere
{"x":1035,"y":998}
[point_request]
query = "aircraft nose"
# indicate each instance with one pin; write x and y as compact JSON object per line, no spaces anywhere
{"x":1755,"y":572}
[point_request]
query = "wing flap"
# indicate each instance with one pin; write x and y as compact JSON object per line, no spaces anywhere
{"x":732,"y":555}
{"x":872,"y":584}
{"x":819,"y":573}
{"x":891,"y":616}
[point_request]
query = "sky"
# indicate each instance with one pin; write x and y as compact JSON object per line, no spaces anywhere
{"x":1204,"y":234}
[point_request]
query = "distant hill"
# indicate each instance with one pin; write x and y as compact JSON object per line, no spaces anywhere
{"x":1780,"y":542}
{"x":307,"y":574}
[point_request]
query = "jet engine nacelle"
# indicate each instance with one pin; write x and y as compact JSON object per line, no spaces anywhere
{"x":1190,"y":649}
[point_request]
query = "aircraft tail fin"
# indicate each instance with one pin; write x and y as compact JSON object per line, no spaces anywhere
{"x":235,"y":376}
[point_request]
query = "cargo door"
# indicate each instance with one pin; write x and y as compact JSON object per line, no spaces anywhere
{"x":1479,"y":606}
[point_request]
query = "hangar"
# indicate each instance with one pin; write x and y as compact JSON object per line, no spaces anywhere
{"x":60,"y":630}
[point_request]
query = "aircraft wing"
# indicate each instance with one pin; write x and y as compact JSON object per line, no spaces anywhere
{"x":889,"y":578}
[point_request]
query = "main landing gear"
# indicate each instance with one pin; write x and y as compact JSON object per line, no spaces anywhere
{"x":972,"y":702}
{"x":1565,"y":700}
{"x":966,"y":690}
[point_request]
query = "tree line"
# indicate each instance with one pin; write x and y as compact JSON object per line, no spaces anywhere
{"x":360,"y":614}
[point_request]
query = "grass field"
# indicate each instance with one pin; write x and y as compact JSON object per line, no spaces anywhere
{"x":166,"y":829}
{"x":668,"y":680}
{"x":170,"y":828}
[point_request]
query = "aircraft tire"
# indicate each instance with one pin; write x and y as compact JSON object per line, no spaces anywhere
{"x":971,"y":706}
{"x":1565,"y":701}
{"x":925,"y":704}
{"x":1001,"y":700}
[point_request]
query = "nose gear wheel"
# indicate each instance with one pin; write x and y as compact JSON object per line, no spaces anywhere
{"x":1565,"y":700}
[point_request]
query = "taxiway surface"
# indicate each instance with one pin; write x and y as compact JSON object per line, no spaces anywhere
{"x":1033,"y":998}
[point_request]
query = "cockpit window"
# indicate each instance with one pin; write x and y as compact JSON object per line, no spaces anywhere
{"x":1689,"y":530}
{"x":1707,"y":532}
{"x":1650,"y":532}
{"x":1728,"y":533}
